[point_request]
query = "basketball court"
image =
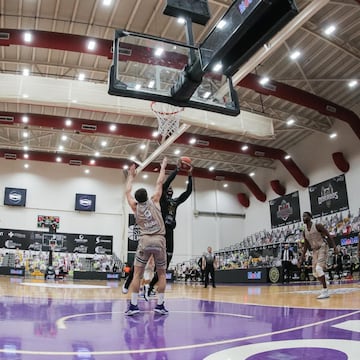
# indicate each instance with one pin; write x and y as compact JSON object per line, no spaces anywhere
{"x":86,"y":320}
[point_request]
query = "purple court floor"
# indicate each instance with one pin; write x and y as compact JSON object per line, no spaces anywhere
{"x":35,"y":328}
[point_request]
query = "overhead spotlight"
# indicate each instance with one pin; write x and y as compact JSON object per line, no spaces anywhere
{"x":25,"y":119}
{"x":112,"y":127}
{"x":353,"y":83}
{"x":252,"y":174}
{"x":264,"y":80}
{"x":25,"y":134}
{"x":137,"y":86}
{"x":287,"y":157}
{"x":211,"y":168}
{"x":244,"y":147}
{"x":103,"y":143}
{"x":295,"y":55}
{"x":92,"y":162}
{"x":142,"y":146}
{"x":192,"y":141}
{"x":26,"y":166}
{"x":330,"y":29}
{"x":91,"y":45}
{"x":107,"y":2}
{"x":159,"y":52}
{"x":26,"y":156}
{"x":64,"y":137}
{"x":58,"y":159}
{"x":155,"y":133}
{"x":81,"y":76}
{"x":87,"y":171}
{"x":27,"y":37}
{"x":97,"y":154}
{"x":333,"y":135}
{"x":181,"y":20}
{"x":61,"y":148}
{"x":145,"y":176}
{"x":26,"y":72}
{"x":225,"y":185}
{"x":125,"y":167}
{"x":26,"y":148}
{"x":290,"y":121}
{"x":68,"y":122}
{"x":177,"y":152}
{"x":151,"y":84}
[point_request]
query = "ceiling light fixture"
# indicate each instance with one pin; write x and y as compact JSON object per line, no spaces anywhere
{"x":333,"y":135}
{"x":264,"y":80}
{"x":91,"y":45}
{"x":27,"y":37}
{"x":295,"y":55}
{"x":330,"y":29}
{"x":159,"y":52}
{"x":290,"y":121}
{"x":353,"y":83}
{"x":244,"y":147}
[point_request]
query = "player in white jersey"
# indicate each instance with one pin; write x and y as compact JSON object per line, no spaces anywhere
{"x":318,"y":239}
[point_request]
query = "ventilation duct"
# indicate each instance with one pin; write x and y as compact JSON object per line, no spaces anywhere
{"x":88,"y":127}
{"x":243,"y":199}
{"x":277,"y":187}
{"x":75,"y":162}
{"x":8,"y":119}
{"x":10,"y":156}
{"x":341,"y":162}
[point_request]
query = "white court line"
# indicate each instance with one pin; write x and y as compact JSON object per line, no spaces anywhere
{"x":185,"y":347}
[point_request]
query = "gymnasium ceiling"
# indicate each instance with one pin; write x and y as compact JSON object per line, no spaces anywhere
{"x":312,"y":86}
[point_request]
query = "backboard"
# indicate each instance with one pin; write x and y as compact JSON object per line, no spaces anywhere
{"x":149,"y":68}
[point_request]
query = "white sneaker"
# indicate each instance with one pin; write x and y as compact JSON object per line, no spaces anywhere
{"x":324,"y":294}
{"x":124,"y":289}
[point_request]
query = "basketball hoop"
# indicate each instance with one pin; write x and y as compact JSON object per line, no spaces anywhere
{"x":168,"y":117}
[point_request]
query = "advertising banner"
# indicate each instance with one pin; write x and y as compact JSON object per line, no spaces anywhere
{"x":285,"y":210}
{"x":329,"y":197}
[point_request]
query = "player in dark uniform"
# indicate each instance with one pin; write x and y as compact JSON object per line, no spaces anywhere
{"x":169,"y":207}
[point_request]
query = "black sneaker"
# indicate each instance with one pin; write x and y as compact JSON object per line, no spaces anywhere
{"x":160,"y":309}
{"x":132,"y":310}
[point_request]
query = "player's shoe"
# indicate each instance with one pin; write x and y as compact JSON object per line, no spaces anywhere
{"x":324,"y":294}
{"x":124,"y":289}
{"x":146,"y":292}
{"x":132,"y":310}
{"x":151,"y":292}
{"x":160,"y":309}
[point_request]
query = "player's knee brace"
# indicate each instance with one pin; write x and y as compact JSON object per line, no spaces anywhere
{"x":319,"y":271}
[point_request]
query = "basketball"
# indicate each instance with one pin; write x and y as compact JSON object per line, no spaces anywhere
{"x":185,"y":162}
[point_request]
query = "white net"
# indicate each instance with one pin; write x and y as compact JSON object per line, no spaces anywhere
{"x":168,"y":117}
